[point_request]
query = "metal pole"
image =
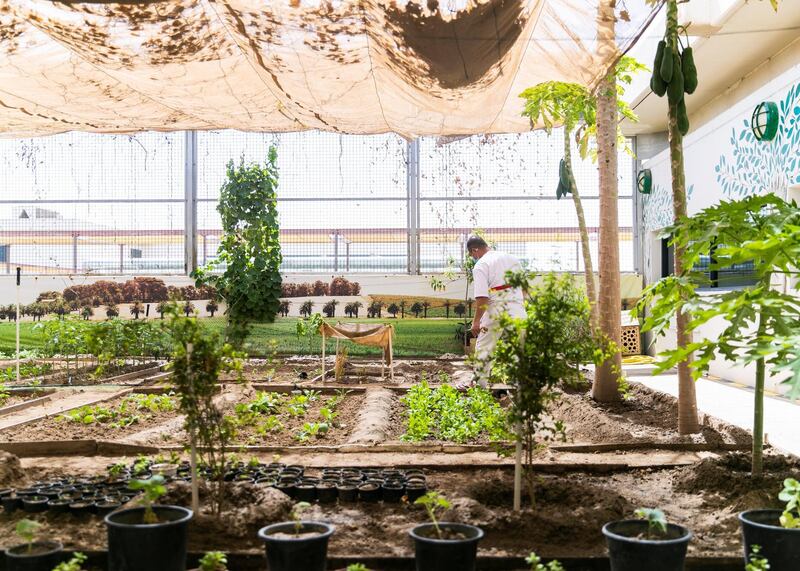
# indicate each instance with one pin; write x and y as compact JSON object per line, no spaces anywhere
{"x":8,"y":258}
{"x":205,"y":249}
{"x":19,"y":272}
{"x":193,"y":450}
{"x":75,"y":253}
{"x":638,"y":262}
{"x":412,"y":196}
{"x":190,"y":202}
{"x":335,"y":250}
{"x":347,"y":250}
{"x":122,"y":258}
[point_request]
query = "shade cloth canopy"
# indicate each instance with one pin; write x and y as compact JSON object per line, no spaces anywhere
{"x":362,"y":334}
{"x":354,"y":66}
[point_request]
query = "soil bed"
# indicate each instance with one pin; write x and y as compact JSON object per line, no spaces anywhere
{"x":570,"y":511}
{"x":84,"y":375}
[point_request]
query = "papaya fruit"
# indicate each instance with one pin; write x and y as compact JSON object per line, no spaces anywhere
{"x":667,"y":67}
{"x":560,"y":191}
{"x":675,"y":87}
{"x":563,"y":175}
{"x":689,"y":71}
{"x":658,"y":85}
{"x":683,"y":118}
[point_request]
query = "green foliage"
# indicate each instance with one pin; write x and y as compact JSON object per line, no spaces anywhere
{"x":26,"y":370}
{"x":755,"y":561}
{"x":4,"y":394}
{"x":762,"y":322}
{"x":27,"y":530}
{"x":656,"y":521}
{"x":790,"y":519}
{"x":433,"y":502}
{"x":249,"y":252}
{"x":75,"y":563}
{"x":534,"y":353}
{"x":356,"y":567}
{"x":572,"y":105}
{"x":214,"y":561}
{"x":297,"y":516}
{"x":536,"y":564}
{"x":153,"y":488}
{"x":445,"y":413}
{"x":123,"y":415}
{"x":312,"y":429}
{"x":198,"y":358}
{"x":263,"y":403}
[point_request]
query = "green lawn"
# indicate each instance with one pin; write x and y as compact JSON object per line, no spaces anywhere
{"x":413,"y":337}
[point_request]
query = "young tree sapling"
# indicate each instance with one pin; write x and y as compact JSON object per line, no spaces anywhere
{"x":27,"y":531}
{"x":790,"y":519}
{"x":656,"y":521}
{"x":432,"y":502}
{"x":153,"y":488}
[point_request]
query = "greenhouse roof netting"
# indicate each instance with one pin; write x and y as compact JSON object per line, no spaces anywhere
{"x":355,"y":66}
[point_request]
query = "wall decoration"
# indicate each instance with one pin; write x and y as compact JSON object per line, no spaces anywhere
{"x":759,"y":167}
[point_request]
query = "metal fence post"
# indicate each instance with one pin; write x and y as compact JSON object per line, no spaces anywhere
{"x":190,"y":202}
{"x":412,"y":193}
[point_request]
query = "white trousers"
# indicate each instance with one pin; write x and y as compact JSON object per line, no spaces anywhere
{"x":484,"y":347}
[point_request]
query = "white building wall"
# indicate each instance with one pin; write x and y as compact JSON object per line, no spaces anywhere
{"x":725,"y":162}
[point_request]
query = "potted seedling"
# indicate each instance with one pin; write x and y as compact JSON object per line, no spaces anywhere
{"x":297,"y":545}
{"x":151,"y":537}
{"x":32,"y":555}
{"x":536,"y":563}
{"x":775,"y":532}
{"x":649,"y":542}
{"x":74,"y":564}
{"x":443,"y":546}
{"x":213,"y":561}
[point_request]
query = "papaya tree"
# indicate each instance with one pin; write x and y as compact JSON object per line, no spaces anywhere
{"x":574,"y":107}
{"x":675,"y":75}
{"x":762,"y":323}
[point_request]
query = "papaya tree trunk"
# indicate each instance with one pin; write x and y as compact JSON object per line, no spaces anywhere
{"x":688,"y":422}
{"x":756,"y":469}
{"x":588,"y":268}
{"x":606,"y":382}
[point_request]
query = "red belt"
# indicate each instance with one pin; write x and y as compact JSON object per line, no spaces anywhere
{"x":500,"y":288}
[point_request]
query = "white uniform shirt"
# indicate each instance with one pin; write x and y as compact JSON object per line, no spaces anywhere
{"x":490,"y":272}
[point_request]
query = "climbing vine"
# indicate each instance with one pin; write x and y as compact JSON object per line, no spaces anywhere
{"x":249,"y":254}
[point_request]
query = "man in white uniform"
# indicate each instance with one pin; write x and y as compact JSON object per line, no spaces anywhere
{"x":492,"y":297}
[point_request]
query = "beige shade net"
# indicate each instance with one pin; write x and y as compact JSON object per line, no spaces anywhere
{"x":362,"y":334}
{"x":429,"y":68}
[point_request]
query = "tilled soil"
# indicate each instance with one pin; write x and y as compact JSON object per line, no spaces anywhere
{"x":566,"y":519}
{"x":647,"y":415}
{"x":84,"y":375}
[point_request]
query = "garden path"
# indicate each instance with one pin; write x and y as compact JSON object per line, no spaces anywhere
{"x":60,"y":401}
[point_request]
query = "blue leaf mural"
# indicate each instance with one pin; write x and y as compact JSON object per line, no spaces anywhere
{"x":757,"y":167}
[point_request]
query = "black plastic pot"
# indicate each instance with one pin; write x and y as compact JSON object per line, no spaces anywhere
{"x":44,"y":556}
{"x":105,"y":507}
{"x":433,"y":554}
{"x":134,"y":546}
{"x":34,"y":504}
{"x":11,"y":502}
{"x":308,"y":552}
{"x":415,"y":491}
{"x":81,"y":508}
{"x":628,"y":553}
{"x":306,"y":493}
{"x":347,"y":492}
{"x":369,"y":492}
{"x":326,"y":493}
{"x":288,"y":488}
{"x":392,"y":492}
{"x":58,"y":506}
{"x":779,"y":546}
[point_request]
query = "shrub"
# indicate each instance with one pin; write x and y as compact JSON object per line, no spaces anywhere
{"x":320,"y":288}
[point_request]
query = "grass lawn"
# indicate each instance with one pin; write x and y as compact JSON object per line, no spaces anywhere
{"x":413,"y":337}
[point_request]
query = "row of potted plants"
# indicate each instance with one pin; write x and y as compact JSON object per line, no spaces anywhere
{"x":154,"y":537}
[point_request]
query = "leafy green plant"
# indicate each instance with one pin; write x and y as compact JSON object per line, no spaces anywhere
{"x":357,"y":567}
{"x":755,"y":561}
{"x":536,"y":564}
{"x":534,"y":353}
{"x":199,"y":357}
{"x":790,"y":519}
{"x":116,"y":470}
{"x":433,"y":502}
{"x":27,"y":531}
{"x":153,"y":488}
{"x":656,"y":521}
{"x":214,"y":561}
{"x":297,"y":516}
{"x":315,"y":429}
{"x":762,"y":322}
{"x":4,"y":394}
{"x":249,"y":252}
{"x":75,"y":563}
{"x":448,"y":414}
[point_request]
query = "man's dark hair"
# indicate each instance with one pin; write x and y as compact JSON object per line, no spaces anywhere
{"x":476,"y":242}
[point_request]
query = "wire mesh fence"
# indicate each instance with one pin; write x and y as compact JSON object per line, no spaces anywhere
{"x":118,"y":204}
